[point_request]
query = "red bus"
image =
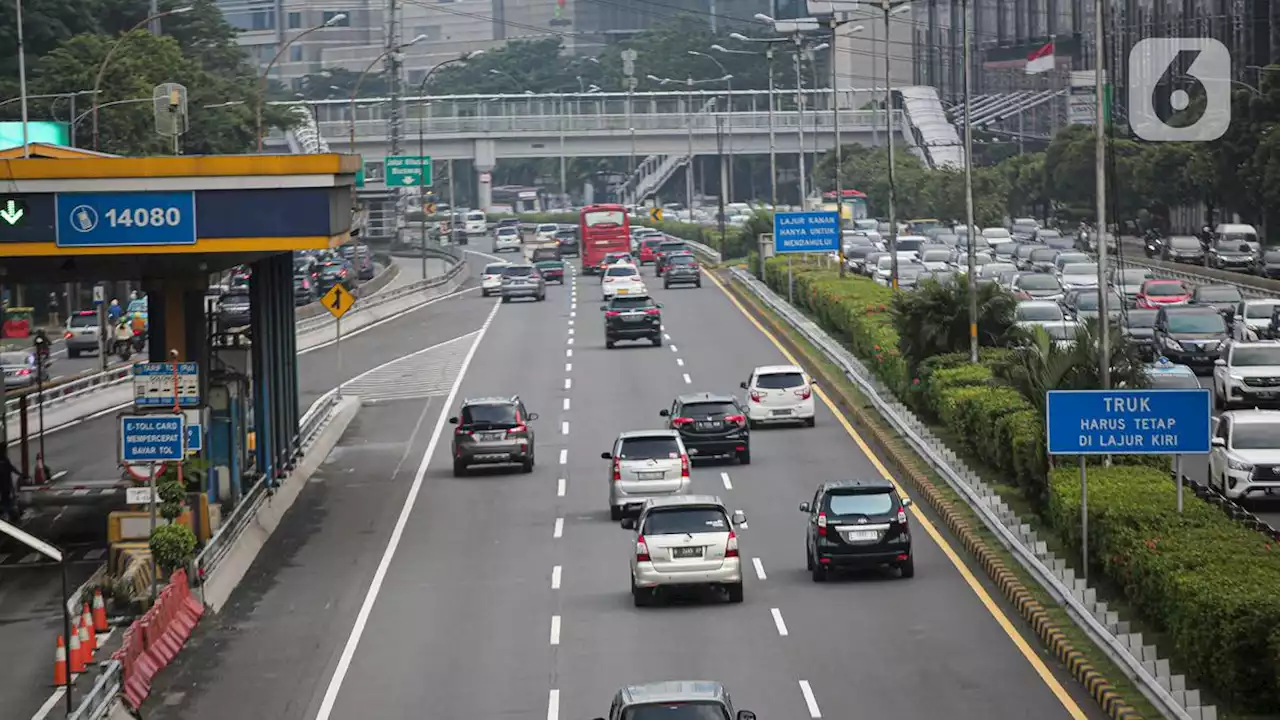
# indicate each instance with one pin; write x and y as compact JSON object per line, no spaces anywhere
{"x":602,"y":229}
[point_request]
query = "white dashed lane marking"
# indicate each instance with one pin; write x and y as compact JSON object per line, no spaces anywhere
{"x":568,"y":367}
{"x":555,"y":578}
{"x":555,"y":629}
{"x":674,"y":348}
{"x":566,"y":403}
{"x":778,"y":622}
{"x":558,"y":532}
{"x":568,"y":352}
{"x":564,"y":428}
{"x":728,"y":484}
{"x":759,"y":566}
{"x":809,"y":700}
{"x":687,"y":379}
{"x":568,"y":383}
{"x":553,"y":705}
{"x":564,"y":456}
{"x":680,"y":362}
{"x":560,"y":487}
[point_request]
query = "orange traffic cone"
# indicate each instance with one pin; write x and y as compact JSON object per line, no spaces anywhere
{"x":77,"y":655}
{"x":99,"y":613}
{"x":88,"y":644}
{"x":60,"y":663}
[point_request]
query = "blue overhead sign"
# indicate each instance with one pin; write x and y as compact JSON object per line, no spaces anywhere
{"x":802,"y":232}
{"x":151,"y":438}
{"x":123,"y":219}
{"x":1128,"y":422}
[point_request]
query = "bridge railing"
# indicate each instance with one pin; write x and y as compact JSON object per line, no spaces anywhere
{"x":701,"y":123}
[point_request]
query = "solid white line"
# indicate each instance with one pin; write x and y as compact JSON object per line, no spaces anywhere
{"x":568,"y":367}
{"x":49,"y":704}
{"x":687,"y":379}
{"x":809,"y":700}
{"x":568,"y":383}
{"x":559,"y":529}
{"x":728,"y":484}
{"x":566,"y":403}
{"x":564,"y":456}
{"x":674,"y":348}
{"x":568,"y":352}
{"x":553,"y":705}
{"x":555,"y":578}
{"x":379,"y":576}
{"x":680,"y":362}
{"x":555,"y":629}
{"x":777,"y":621}
{"x":564,"y":427}
{"x":759,"y":566}
{"x":560,"y":487}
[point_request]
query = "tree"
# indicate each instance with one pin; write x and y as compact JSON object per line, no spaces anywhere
{"x":1043,"y":365}
{"x":534,"y":65}
{"x":338,"y":83}
{"x":934,"y":320}
{"x":1028,"y":194}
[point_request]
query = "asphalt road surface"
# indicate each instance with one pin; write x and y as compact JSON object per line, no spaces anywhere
{"x":30,"y":588}
{"x":394,"y":590}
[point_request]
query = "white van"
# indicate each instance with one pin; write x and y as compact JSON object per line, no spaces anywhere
{"x":476,"y":223}
{"x":1238,"y":232}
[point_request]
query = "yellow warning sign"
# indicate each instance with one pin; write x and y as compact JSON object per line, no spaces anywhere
{"x":338,"y":300}
{"x":655,"y":214}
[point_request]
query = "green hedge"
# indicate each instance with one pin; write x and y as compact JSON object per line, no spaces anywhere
{"x":1211,"y":584}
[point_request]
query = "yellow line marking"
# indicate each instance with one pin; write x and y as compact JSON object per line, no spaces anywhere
{"x":1072,"y":708}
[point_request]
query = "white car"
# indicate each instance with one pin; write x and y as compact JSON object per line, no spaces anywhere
{"x":685,"y":541}
{"x":476,"y":223}
{"x":1245,"y":458}
{"x":507,"y":238}
{"x":545,"y":232}
{"x":936,"y":260}
{"x":1248,"y":373}
{"x":1079,"y":275}
{"x":645,"y":464}
{"x":1062,"y":333}
{"x":1253,"y":319}
{"x":622,"y":280}
{"x":491,"y":280}
{"x":1037,"y":312}
{"x":780,"y":393}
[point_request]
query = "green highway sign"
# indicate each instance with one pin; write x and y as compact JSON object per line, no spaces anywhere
{"x":408,"y":171}
{"x":12,"y":211}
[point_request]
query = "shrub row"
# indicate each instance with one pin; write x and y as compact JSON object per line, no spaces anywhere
{"x":1211,"y":584}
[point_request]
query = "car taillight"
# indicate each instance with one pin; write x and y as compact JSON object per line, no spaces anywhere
{"x":67,"y":335}
{"x":653,"y":311}
{"x":739,"y":419}
{"x":684,"y":465}
{"x":642,"y":550}
{"x":731,"y":547}
{"x":461,"y":431}
{"x":902,"y":516}
{"x":617,"y":469}
{"x":822,"y":524}
{"x":681,"y":421}
{"x":756,"y":396}
{"x":517,"y":429}
{"x":1023,"y":295}
{"x":804,"y":392}
{"x":611,"y":313}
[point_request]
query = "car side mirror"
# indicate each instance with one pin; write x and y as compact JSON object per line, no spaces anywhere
{"x":628,"y":523}
{"x":532,"y":417}
{"x":664,"y":413}
{"x":453,"y":421}
{"x":743,"y":385}
{"x":1220,"y":362}
{"x":804,"y":507}
{"x":603,"y":308}
{"x":906,"y":502}
{"x":739,"y":517}
{"x":1218,"y":442}
{"x":746,"y":715}
{"x":658,"y":305}
{"x":606,"y":455}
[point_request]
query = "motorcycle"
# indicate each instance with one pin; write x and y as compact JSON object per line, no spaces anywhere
{"x":1154,"y":244}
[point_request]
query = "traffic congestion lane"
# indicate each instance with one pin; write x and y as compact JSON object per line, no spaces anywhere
{"x":939,"y":612}
{"x":460,"y":624}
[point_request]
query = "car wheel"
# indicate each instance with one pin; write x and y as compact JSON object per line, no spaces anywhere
{"x":459,"y":468}
{"x":641,"y":597}
{"x":818,"y":571}
{"x":735,"y":593}
{"x":527,"y":466}
{"x":744,"y":457}
{"x":73,"y":353}
{"x":484,"y":293}
{"x":907,"y":569}
{"x":810,"y":422}
{"x":615,"y":513}
{"x":666,"y":286}
{"x":752,"y":424}
{"x":657,"y":341}
{"x":542,"y":297}
{"x":697,"y":283}
{"x":808,"y":559}
{"x":506,"y":299}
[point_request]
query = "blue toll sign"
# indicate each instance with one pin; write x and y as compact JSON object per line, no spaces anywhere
{"x":806,"y":232}
{"x":151,"y":438}
{"x":1128,"y":422}
{"x":126,"y":218}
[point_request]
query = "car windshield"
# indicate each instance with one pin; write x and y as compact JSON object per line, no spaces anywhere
{"x":654,"y":447}
{"x":475,"y":215}
{"x":1042,"y":254}
{"x":604,"y":218}
{"x":682,"y":521}
{"x":1230,"y":246}
{"x":567,"y":234}
{"x":1255,"y":436}
{"x":677,"y":711}
{"x":860,"y":503}
{"x":936,"y":256}
{"x":495,"y":268}
{"x":1184,"y":243}
{"x":548,"y":227}
{"x":631,"y":302}
{"x":779,"y":380}
{"x":1165,"y":289}
{"x":520,"y":271}
{"x":1141,"y":318}
{"x":1272,"y":256}
{"x":708,"y":409}
{"x":15,"y":358}
{"x":1080,"y":269}
{"x":1131,"y":277}
{"x":1038,"y":313}
{"x":1038,"y":282}
{"x":331,"y":269}
{"x":993,"y":269}
{"x":1199,"y":322}
{"x":549,"y":265}
{"x":235,"y":299}
{"x":1220,"y":293}
{"x":652,"y":242}
{"x":1256,"y":356}
{"x":910,"y":271}
{"x":669,"y":248}
{"x":1172,"y":381}
{"x":621,"y":271}
{"x":909,"y":244}
{"x":489,"y":414}
{"x":505,"y":231}
{"x":683,"y":260}
{"x":86,"y":321}
{"x":995,"y":233}
{"x":1260,"y":311}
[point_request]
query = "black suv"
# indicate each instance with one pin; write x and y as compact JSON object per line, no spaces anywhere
{"x":682,"y":268}
{"x":1193,"y":336}
{"x":665,"y":250}
{"x":493,"y":431}
{"x":711,"y":426}
{"x":568,"y":242}
{"x":857,"y":524}
{"x":632,"y":317}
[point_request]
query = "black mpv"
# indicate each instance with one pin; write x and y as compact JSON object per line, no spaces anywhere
{"x":857,"y":524}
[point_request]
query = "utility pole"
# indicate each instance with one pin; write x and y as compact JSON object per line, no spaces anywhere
{"x":800,"y":114}
{"x":394,"y":111}
{"x":154,"y":25}
{"x":835,"y":126}
{"x":888,"y":114}
{"x":1100,"y":172}
{"x":629,"y":71}
{"x":22,"y":81}
{"x":773,"y":152}
{"x":968,"y":193}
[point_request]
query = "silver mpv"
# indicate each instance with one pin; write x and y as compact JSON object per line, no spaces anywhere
{"x":684,"y":541}
{"x":646,"y":463}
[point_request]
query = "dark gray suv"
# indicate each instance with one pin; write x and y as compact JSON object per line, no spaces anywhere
{"x":493,"y":431}
{"x":522,"y":281}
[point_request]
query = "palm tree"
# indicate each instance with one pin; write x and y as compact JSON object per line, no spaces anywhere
{"x":934,"y":320}
{"x":1043,"y":365}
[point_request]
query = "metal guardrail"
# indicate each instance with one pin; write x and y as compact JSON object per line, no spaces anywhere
{"x":102,"y":696}
{"x":382,"y":298}
{"x":72,"y":389}
{"x":1247,"y":289}
{"x":914,"y":432}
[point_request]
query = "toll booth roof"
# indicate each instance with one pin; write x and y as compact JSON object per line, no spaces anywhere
{"x":67,"y":215}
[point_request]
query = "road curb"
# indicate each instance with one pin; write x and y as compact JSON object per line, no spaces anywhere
{"x":1101,"y":689}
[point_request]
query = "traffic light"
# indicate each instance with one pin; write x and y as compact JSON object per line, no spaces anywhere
{"x":42,"y":352}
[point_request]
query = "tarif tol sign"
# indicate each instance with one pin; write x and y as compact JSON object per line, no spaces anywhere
{"x":1128,"y":422}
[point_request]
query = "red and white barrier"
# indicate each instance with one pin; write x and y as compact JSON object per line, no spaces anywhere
{"x":151,"y":642}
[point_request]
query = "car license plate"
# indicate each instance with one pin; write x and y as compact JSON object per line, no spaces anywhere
{"x":778,"y":413}
{"x":633,"y":318}
{"x":650,"y":475}
{"x":492,"y":436}
{"x":687,"y":552}
{"x":1199,"y":358}
{"x":708,"y":425}
{"x":862,"y":535}
{"x":1265,"y":393}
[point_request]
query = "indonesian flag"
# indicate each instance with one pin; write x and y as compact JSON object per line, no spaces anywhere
{"x":1040,"y":60}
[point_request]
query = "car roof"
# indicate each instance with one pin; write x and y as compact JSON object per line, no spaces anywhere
{"x":1261,"y":344}
{"x":1168,"y":368}
{"x":666,"y":501}
{"x":491,"y":400}
{"x":869,"y":483}
{"x":1253,"y":417}
{"x":1037,"y":303}
{"x":703,"y":397}
{"x":673,"y":690}
{"x":657,"y":432}
{"x":1191,"y":310}
{"x":772,"y":369}
{"x":518,"y":265}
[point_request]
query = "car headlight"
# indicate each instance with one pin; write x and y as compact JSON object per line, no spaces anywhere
{"x":1236,"y":378}
{"x":1172,"y":344}
{"x":1239,"y":465}
{"x":1221,"y":344}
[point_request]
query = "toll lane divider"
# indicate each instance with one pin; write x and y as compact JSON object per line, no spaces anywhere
{"x":78,"y":399}
{"x":1138,"y":661}
{"x":153,"y":641}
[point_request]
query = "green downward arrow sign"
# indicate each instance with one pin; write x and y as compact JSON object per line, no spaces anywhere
{"x":12,"y":212}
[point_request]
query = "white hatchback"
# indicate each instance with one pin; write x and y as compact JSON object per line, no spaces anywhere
{"x":491,"y":280}
{"x":780,"y":393}
{"x":507,"y":238}
{"x":622,"y":280}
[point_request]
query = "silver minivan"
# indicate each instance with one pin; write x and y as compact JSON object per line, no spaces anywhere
{"x":645,"y":464}
{"x":686,"y":541}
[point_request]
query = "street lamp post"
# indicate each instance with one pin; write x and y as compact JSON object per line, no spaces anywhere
{"x":968,"y":190}
{"x":728,"y":120}
{"x":102,"y":69}
{"x":889,"y":7}
{"x":422,"y":144}
{"x":355,"y":92}
{"x":266,"y":72}
{"x":689,"y":83}
{"x":22,"y":80}
{"x":773,"y":154}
